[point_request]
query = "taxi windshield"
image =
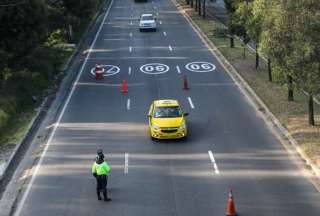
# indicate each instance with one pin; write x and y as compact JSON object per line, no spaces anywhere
{"x":167,"y":112}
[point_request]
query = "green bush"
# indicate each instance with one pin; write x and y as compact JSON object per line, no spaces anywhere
{"x":56,"y":37}
{"x":4,"y":117}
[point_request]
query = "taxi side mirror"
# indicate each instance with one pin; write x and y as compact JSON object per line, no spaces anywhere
{"x":185,"y":114}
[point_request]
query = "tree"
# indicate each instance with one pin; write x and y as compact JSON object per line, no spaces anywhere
{"x":304,"y":59}
{"x":277,"y":37}
{"x":23,"y":27}
{"x":80,"y":8}
{"x":293,"y":40}
{"x":259,"y":10}
{"x":250,"y":16}
{"x":233,"y":25}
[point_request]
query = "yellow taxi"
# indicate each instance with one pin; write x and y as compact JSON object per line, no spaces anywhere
{"x":167,"y":120}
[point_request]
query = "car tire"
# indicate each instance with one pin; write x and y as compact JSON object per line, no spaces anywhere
{"x":184,"y":139}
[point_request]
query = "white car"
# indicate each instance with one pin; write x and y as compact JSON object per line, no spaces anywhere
{"x":147,"y":22}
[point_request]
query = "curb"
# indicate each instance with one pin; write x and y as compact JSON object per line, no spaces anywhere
{"x":281,"y":132}
{"x":22,"y":146}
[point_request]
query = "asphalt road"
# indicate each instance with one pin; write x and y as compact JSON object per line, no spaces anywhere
{"x":169,"y":177}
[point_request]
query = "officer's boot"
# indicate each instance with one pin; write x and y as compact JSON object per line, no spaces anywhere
{"x":98,"y":194}
{"x":105,"y":196}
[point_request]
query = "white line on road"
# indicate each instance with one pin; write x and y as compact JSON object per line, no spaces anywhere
{"x":130,"y":34}
{"x":128,"y":104}
{"x":130,"y":48}
{"x":157,"y":13}
{"x":126,"y":163}
{"x":129,"y":70}
{"x":170,"y":48}
{"x":36,"y":170}
{"x":213,"y":161}
{"x":160,"y":22}
{"x":190,"y":102}
{"x":131,"y":23}
{"x":165,"y":33}
{"x":178,"y":69}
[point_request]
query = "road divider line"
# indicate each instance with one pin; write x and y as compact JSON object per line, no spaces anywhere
{"x":128,"y":104}
{"x":213,"y":161}
{"x":170,"y":48}
{"x":126,"y":163}
{"x":130,"y":34}
{"x":130,"y":48}
{"x":178,"y":69}
{"x":191,"y":103}
{"x":37,"y":168}
{"x":129,"y":70}
{"x":165,"y":33}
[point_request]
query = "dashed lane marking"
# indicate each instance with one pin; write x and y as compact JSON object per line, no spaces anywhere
{"x":165,"y":33}
{"x":130,"y":34}
{"x":160,"y":22}
{"x":129,"y":70}
{"x":191,"y":103}
{"x":126,"y":163}
{"x":170,"y":48}
{"x":213,"y":161}
{"x":130,"y":48}
{"x":128,"y":104}
{"x":178,"y":69}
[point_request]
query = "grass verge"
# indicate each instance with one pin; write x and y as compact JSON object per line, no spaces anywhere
{"x":293,"y":115}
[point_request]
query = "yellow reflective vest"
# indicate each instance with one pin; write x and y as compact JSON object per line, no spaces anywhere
{"x":101,"y":169}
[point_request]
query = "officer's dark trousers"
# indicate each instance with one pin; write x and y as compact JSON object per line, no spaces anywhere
{"x":102,"y":181}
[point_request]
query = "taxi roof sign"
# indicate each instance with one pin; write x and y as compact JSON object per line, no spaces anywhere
{"x":167,"y":102}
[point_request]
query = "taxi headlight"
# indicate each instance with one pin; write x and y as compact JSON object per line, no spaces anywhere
{"x":183,"y":126}
{"x":155,"y":127}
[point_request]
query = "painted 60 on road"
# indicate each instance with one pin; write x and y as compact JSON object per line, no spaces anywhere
{"x":154,"y":68}
{"x":200,"y":67}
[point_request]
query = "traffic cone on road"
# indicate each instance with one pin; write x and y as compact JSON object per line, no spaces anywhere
{"x":98,"y":70}
{"x":124,"y":87}
{"x":185,"y":83}
{"x":231,"y":211}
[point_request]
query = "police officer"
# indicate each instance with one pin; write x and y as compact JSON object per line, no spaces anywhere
{"x":101,"y":170}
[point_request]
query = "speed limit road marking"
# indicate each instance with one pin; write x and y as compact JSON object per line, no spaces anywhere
{"x":108,"y":70}
{"x":200,"y":67}
{"x":154,"y":68}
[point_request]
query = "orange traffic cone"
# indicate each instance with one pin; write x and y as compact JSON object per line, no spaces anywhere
{"x":231,"y":211}
{"x":185,"y":83}
{"x":98,"y":72}
{"x":124,"y":87}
